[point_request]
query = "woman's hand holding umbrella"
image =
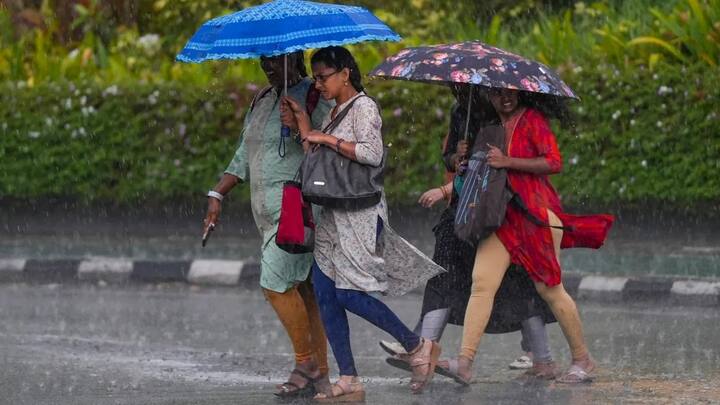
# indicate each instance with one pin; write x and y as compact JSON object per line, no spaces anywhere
{"x":460,"y":156}
{"x":300,"y":120}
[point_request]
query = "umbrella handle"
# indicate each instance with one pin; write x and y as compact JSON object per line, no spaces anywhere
{"x":284,"y":134}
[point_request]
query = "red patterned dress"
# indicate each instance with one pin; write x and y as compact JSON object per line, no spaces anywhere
{"x":531,"y":245}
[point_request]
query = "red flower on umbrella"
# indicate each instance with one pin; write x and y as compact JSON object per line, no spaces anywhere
{"x":529,"y":85}
{"x":460,"y":76}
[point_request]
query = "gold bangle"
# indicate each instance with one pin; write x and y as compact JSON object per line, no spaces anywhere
{"x":444,"y":193}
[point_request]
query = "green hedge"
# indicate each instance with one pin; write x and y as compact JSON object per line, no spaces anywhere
{"x":113,"y":143}
{"x":644,"y":137}
{"x":640,"y":137}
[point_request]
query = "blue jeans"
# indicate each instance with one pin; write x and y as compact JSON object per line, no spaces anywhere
{"x":333,"y":303}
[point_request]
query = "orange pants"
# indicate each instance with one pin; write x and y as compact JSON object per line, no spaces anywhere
{"x":300,"y":316}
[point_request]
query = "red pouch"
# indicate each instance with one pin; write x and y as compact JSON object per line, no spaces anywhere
{"x":296,"y":229}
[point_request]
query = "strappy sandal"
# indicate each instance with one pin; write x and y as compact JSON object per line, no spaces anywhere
{"x":289,"y":389}
{"x":453,"y":371}
{"x":423,"y":356}
{"x":400,"y":361}
{"x":348,"y":392}
{"x":576,"y":375}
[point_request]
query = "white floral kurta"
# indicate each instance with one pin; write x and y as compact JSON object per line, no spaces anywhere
{"x":346,"y":247}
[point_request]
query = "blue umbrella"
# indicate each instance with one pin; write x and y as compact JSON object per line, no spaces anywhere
{"x":281,"y":27}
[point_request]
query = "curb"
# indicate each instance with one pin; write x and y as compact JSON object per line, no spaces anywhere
{"x":673,"y":290}
{"x":117,"y":271}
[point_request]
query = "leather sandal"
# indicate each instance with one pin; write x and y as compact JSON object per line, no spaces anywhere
{"x":401,"y":361}
{"x":542,"y":371}
{"x":453,"y":371}
{"x":289,"y":389}
{"x":342,"y":392}
{"x":576,"y":375}
{"x":425,"y":356}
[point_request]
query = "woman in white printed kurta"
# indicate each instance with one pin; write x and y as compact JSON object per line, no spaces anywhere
{"x":356,"y":252}
{"x":347,"y":248}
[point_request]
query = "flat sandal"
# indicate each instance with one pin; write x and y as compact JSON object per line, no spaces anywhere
{"x":349,"y":392}
{"x":419,"y":380}
{"x":289,"y":389}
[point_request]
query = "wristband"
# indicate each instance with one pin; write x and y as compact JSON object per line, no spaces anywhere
{"x":215,"y":195}
{"x":444,"y":193}
{"x":337,"y":144}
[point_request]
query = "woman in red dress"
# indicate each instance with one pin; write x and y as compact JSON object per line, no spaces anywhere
{"x":525,"y":239}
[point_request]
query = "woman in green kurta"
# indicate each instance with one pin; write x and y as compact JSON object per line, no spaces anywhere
{"x":266,"y":163}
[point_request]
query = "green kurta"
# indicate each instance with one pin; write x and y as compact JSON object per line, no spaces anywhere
{"x":257,"y":160}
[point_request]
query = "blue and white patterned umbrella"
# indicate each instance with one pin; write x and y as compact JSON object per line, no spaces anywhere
{"x":283,"y":26}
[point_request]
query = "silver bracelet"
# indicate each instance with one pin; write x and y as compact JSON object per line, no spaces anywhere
{"x":215,"y":195}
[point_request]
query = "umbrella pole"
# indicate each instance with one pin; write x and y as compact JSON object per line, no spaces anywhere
{"x":467,"y":120}
{"x":285,"y":90}
{"x":284,"y":131}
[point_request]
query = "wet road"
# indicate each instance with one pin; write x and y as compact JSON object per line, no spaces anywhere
{"x":173,"y":344}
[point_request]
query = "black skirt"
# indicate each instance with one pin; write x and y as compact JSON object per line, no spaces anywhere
{"x":515,"y":301}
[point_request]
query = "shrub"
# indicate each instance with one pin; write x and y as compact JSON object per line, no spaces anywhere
{"x":641,"y":137}
{"x":122,"y":143}
{"x":644,"y":136}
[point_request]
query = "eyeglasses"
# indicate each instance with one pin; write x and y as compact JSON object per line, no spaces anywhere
{"x":323,"y":78}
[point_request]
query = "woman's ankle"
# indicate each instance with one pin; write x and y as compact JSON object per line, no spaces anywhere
{"x":308,"y":366}
{"x":465,"y":363}
{"x":418,"y":348}
{"x":583,"y":361}
{"x":348,"y":380}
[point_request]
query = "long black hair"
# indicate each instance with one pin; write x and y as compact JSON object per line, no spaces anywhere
{"x":481,"y":108}
{"x":550,"y":106}
{"x":339,"y":58}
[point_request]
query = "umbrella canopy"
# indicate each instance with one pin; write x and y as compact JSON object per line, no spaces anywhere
{"x":472,"y":62}
{"x":281,"y":27}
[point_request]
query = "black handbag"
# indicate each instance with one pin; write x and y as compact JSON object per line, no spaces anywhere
{"x":332,"y":180}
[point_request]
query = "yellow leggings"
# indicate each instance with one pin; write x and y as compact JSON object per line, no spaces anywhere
{"x":491,"y":262}
{"x":300,"y":316}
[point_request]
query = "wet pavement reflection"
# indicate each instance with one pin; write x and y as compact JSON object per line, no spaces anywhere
{"x":173,"y":344}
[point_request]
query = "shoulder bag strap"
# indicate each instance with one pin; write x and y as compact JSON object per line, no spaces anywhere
{"x":262,"y":93}
{"x":339,"y":117}
{"x":520,"y":206}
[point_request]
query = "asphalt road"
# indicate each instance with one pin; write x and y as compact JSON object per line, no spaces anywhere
{"x":173,"y":344}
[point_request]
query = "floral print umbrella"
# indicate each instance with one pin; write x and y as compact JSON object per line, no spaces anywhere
{"x":472,"y":62}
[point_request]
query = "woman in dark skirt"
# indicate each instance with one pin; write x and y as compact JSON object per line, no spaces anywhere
{"x":517,"y":304}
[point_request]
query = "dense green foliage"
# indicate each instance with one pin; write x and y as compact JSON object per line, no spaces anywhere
{"x":641,"y":136}
{"x":644,"y":136}
{"x":95,"y":108}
